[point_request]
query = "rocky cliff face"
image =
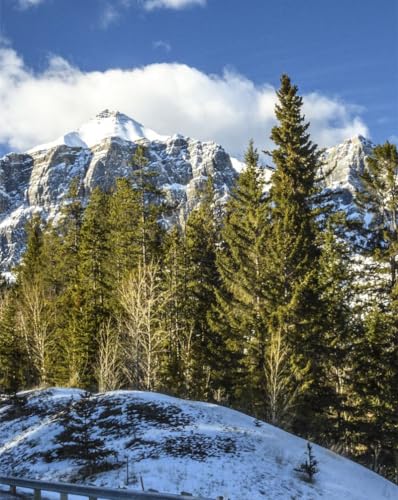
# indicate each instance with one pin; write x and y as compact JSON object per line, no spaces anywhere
{"x":100,"y":151}
{"x":344,"y":163}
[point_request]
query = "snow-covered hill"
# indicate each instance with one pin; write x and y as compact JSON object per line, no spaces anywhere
{"x":176,"y":445}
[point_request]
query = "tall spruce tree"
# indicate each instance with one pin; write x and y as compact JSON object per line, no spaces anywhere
{"x":201,"y":237}
{"x":291,"y":260}
{"x":14,"y":367}
{"x":66,"y":256}
{"x":149,"y":203}
{"x":125,"y":233}
{"x":32,"y":305}
{"x":30,"y":267}
{"x":379,"y":197}
{"x":93,"y":291}
{"x":341,"y":330}
{"x":238,"y":317}
{"x":375,"y":364}
{"x":376,"y":382}
{"x":178,"y":329}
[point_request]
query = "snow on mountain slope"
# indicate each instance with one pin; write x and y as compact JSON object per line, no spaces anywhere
{"x":177,"y":445}
{"x":346,"y":162}
{"x":105,"y":125}
{"x":96,"y":154}
{"x":101,"y":150}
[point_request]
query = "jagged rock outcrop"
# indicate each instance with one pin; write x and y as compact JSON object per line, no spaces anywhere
{"x":344,"y":164}
{"x":98,"y":153}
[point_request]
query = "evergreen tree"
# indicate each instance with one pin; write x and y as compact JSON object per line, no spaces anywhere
{"x":376,"y":382}
{"x":291,"y":260}
{"x":124,"y":230}
{"x":13,"y":362}
{"x":375,"y":419}
{"x":178,"y":329}
{"x":340,"y":332}
{"x":379,"y":197}
{"x":238,"y":317}
{"x":65,"y":245}
{"x":202,"y":279}
{"x":33,"y":305}
{"x":70,"y":231}
{"x":32,"y":261}
{"x":150,"y":209}
{"x":310,"y":466}
{"x":93,"y":291}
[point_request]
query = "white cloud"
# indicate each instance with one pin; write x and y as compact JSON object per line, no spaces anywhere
{"x":172,"y":4}
{"x":108,"y":15}
{"x":229,"y":108}
{"x":161,"y":44}
{"x":26,"y":4}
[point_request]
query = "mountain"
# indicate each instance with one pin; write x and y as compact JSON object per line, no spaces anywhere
{"x":100,"y":151}
{"x":345,"y":163}
{"x":175,"y":445}
{"x":97,"y":153}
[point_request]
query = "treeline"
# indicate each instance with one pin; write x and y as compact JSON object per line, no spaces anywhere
{"x":262,"y":306}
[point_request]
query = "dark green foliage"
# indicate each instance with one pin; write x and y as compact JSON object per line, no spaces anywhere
{"x":14,"y":367}
{"x":177,"y":318}
{"x":309,"y":467}
{"x":32,"y":261}
{"x":375,"y":361}
{"x":150,"y":207}
{"x":376,"y":378}
{"x":201,"y":280}
{"x":340,"y":331}
{"x":291,"y":259}
{"x":380,"y":197}
{"x":238,"y":317}
{"x":191,"y":276}
{"x":94,"y":284}
{"x":124,"y":230}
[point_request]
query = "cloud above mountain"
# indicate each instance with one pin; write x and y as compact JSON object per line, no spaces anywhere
{"x":172,"y":4}
{"x":26,"y":4}
{"x":228,"y":108}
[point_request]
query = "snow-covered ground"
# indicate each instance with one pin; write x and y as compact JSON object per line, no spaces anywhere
{"x":175,"y":445}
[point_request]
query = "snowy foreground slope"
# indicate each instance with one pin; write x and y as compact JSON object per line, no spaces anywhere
{"x":177,"y":445}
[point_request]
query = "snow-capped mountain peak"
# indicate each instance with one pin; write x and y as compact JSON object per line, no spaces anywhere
{"x":98,"y":153}
{"x":107,"y":124}
{"x":347,"y":161}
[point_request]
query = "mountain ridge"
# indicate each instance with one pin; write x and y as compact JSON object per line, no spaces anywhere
{"x":100,"y":150}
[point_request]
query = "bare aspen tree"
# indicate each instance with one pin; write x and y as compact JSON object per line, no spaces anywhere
{"x":282,"y":391}
{"x":109,"y":366}
{"x":35,"y":322}
{"x":143,"y":301}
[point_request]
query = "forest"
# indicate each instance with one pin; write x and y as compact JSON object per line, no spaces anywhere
{"x":267,"y":304}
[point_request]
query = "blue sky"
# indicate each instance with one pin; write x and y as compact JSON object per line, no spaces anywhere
{"x":218,"y":57}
